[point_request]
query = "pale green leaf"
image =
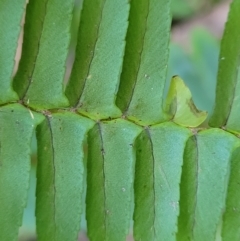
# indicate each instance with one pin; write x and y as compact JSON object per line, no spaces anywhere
{"x":48,"y":50}
{"x":204,"y":184}
{"x":158,"y":172}
{"x":110,"y":177}
{"x":11,"y":14}
{"x":227,"y":107}
{"x":100,"y":50}
{"x":180,"y":105}
{"x":17,"y":125}
{"x":231,"y":218}
{"x":60,"y":176}
{"x":145,"y":62}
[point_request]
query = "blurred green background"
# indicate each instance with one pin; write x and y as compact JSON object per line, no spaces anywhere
{"x":196,"y":32}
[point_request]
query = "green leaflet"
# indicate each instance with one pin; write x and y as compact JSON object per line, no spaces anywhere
{"x":143,"y":76}
{"x":231,"y":218}
{"x":35,"y":14}
{"x":204,"y":184}
{"x":48,"y":49}
{"x":180,"y":105}
{"x":89,"y":23}
{"x":100,"y":50}
{"x":227,"y":107}
{"x":16,"y":129}
{"x":110,"y":175}
{"x":158,"y":172}
{"x":11,"y":14}
{"x":60,"y":176}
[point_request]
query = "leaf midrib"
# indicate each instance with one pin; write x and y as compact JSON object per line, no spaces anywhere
{"x":54,"y":172}
{"x":104,"y":177}
{"x":196,"y":186}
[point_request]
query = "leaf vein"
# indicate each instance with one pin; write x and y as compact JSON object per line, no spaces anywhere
{"x":196,"y":187}
{"x":54,"y":170}
{"x":104,"y":176}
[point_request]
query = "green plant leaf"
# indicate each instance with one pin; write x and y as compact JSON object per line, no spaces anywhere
{"x":204,"y":184}
{"x":99,"y":54}
{"x":11,"y":14}
{"x":145,"y":62}
{"x":227,"y":107}
{"x":60,"y":176}
{"x":33,"y":27}
{"x":17,"y":125}
{"x":158,"y":172}
{"x":180,"y":106}
{"x":46,"y":45}
{"x":231,"y":218}
{"x":110,"y":176}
